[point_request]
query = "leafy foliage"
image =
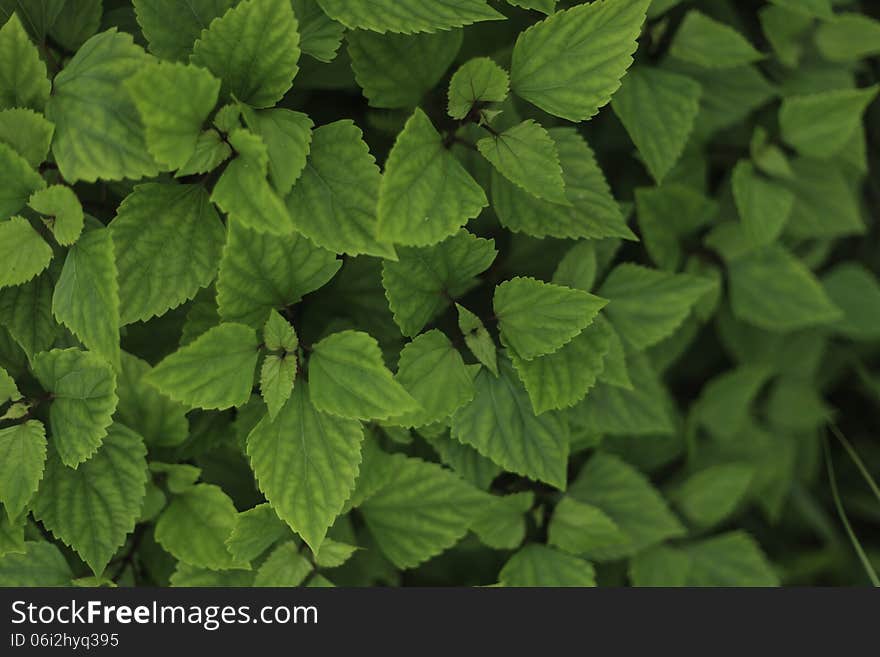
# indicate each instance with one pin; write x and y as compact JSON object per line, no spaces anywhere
{"x":460,"y":292}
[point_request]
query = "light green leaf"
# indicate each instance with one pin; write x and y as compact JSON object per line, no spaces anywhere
{"x":26,"y":312}
{"x":86,"y":298}
{"x":306,"y":463}
{"x":477,"y":339}
{"x":320,"y":36}
{"x":348,"y":378}
{"x":174,"y":38}
{"x":661,"y":133}
{"x":189,"y":576}
{"x":161,"y":421}
{"x":42,"y":564}
{"x":397,"y":70}
{"x":168,"y":239}
{"x":539,"y":565}
{"x":563,"y":378}
{"x":94,"y":507}
{"x":260,"y":272}
{"x":707,"y":497}
{"x":630,"y":501}
{"x":479,"y":80}
{"x":19,"y":181}
{"x":420,"y":511}
{"x":848,"y":37}
{"x":98,"y":133}
{"x":285,"y":566}
{"x":820,"y":125}
{"x":22,"y":458}
{"x":432,"y":371}
{"x":408,"y":16}
{"x":500,"y":424}
{"x":11,"y":536}
{"x":773,"y":290}
{"x":287,"y":135}
{"x":63,"y":210}
{"x":537,"y":318}
{"x":526,"y":155}
{"x":708,"y":43}
{"x":216,"y":370}
{"x":23,"y":252}
{"x":210,"y":152}
{"x":253,"y":48}
{"x":28,"y":133}
{"x":591,"y":210}
{"x":764,"y":205}
{"x":581,"y":528}
{"x":8,"y":389}
{"x":424,"y":281}
{"x":173,"y":100}
{"x":23,"y":79}
{"x":195,"y":525}
{"x":276,"y":381}
{"x":571,"y":63}
{"x":334,"y":201}
{"x":279,"y":335}
{"x":856,"y":291}
{"x":333,"y":554}
{"x":502,"y":525}
{"x":255,"y":531}
{"x":83,"y":388}
{"x":425,"y":195}
{"x":647,"y":305}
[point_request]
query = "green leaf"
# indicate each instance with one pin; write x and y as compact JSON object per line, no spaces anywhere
{"x":168,"y":239}
{"x":856,"y":291}
{"x":348,"y":378}
{"x":23,"y":79}
{"x":539,"y":565}
{"x":320,"y":36}
{"x":334,"y":201}
{"x":526,"y":155}
{"x":174,"y":38}
{"x":707,"y":497}
{"x":333,"y":554}
{"x":432,"y":371}
{"x":477,"y":339}
{"x":662,"y":133}
{"x":825,"y":204}
{"x":500,"y":424}
{"x":647,"y":305}
{"x":26,"y":312}
{"x":306,"y":463}
{"x":98,"y":133}
{"x":86,"y":298}
{"x":288,"y":136}
{"x":818,"y":8}
{"x":83,"y":388}
{"x":276,"y":381}
{"x":19,"y":181}
{"x":244,"y":193}
{"x":424,"y":281}
{"x":709,"y":43}
{"x":581,"y":528}
{"x":195,"y":526}
{"x":28,"y":133}
{"x":8,"y":389}
{"x":75,"y":24}
{"x":161,"y":421}
{"x":279,"y":335}
{"x":464,"y":460}
{"x":254,"y":49}
{"x":571,"y":63}
{"x":425,"y":195}
{"x":591,"y":210}
{"x":255,"y":531}
{"x":563,"y":378}
{"x":22,"y":458}
{"x":660,"y":566}
{"x":173,"y":100}
{"x":397,"y":70}
{"x":408,"y":16}
{"x":544,"y":6}
{"x":502,"y":525}
{"x":23,"y":252}
{"x":285,"y":566}
{"x":820,"y":125}
{"x":479,"y":80}
{"x":216,"y":370}
{"x":260,"y":272}
{"x":42,"y":564}
{"x":210,"y":152}
{"x":724,"y":405}
{"x":177,"y":477}
{"x":630,"y":501}
{"x":420,"y":511}
{"x":94,"y":507}
{"x":63,"y":209}
{"x":773,"y":290}
{"x":764,"y":205}
{"x":11,"y":536}
{"x":536,"y":318}
{"x":848,"y":37}
{"x":668,"y":216}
